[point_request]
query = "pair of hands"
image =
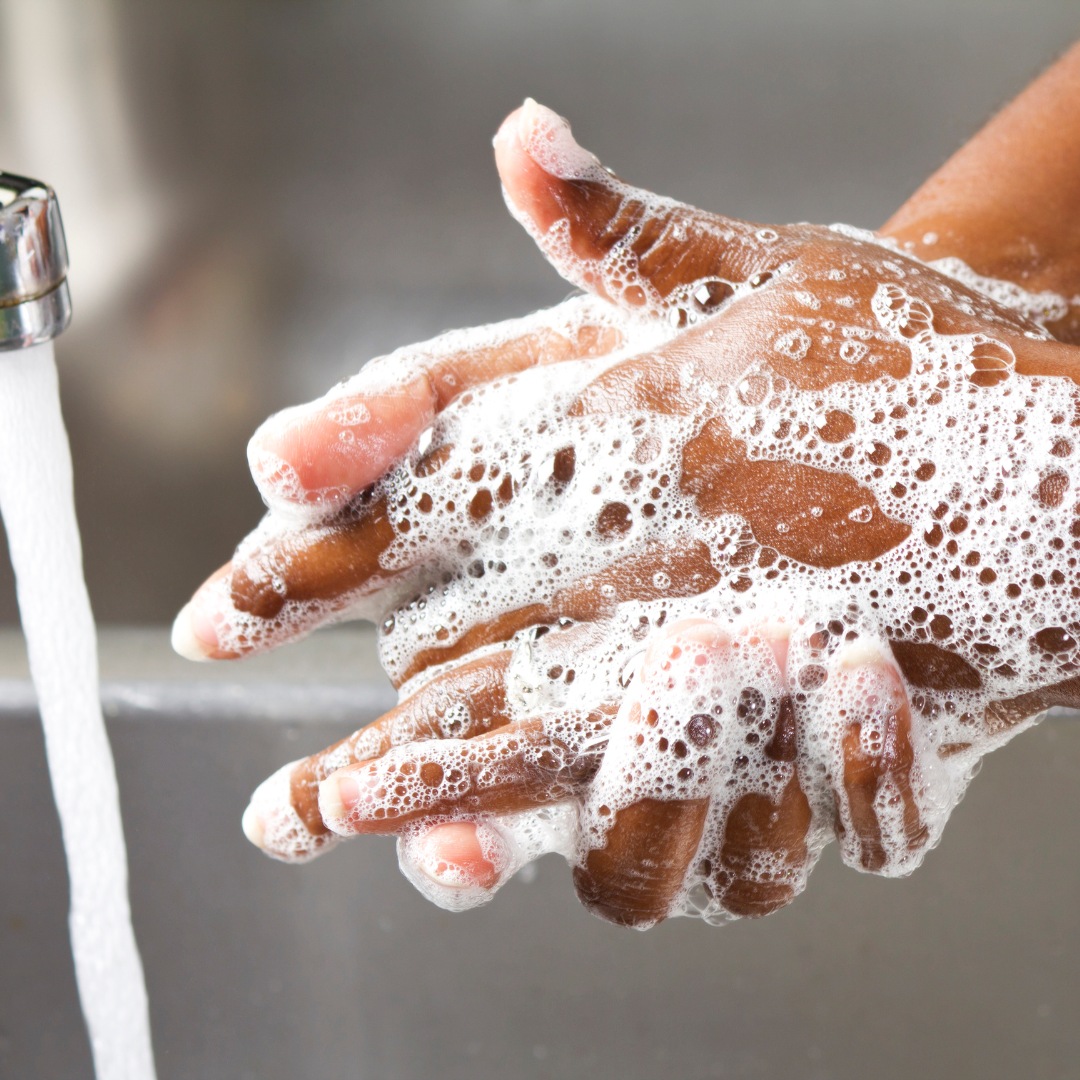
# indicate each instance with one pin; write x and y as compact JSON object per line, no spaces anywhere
{"x":765,"y":539}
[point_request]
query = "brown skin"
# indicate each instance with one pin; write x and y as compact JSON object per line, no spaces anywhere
{"x":1006,"y":203}
{"x":1003,"y":219}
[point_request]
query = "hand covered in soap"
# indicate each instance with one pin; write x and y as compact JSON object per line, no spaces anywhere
{"x":767,"y":540}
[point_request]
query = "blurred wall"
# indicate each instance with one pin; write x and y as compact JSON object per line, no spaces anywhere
{"x":261,"y":195}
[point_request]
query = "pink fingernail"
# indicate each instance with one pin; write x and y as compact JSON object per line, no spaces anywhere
{"x":546,"y":137}
{"x":348,"y":792}
{"x":462,"y":855}
{"x":193,"y":634}
{"x":253,"y":826}
{"x":339,"y":794}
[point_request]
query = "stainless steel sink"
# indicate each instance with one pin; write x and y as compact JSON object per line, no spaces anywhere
{"x":338,"y":969}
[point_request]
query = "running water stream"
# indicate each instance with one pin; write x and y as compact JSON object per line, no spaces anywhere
{"x":38,"y":509}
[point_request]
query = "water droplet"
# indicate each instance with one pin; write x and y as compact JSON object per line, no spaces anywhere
{"x":711,"y":294}
{"x":753,"y":390}
{"x":678,"y":317}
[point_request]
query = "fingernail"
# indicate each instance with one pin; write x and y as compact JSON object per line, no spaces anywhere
{"x":862,"y":652}
{"x":271,"y":821}
{"x":253,"y":827}
{"x":193,"y":633}
{"x":515,"y":125}
{"x":453,"y":855}
{"x":338,"y":795}
{"x":669,"y":643}
{"x":530,"y":114}
{"x":546,"y":137}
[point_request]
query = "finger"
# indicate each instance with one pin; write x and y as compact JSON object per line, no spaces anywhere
{"x":710,"y":741}
{"x":636,"y":878}
{"x":310,"y":460}
{"x":461,"y":864}
{"x":646,"y":811}
{"x":283,"y":817}
{"x":658,"y":572}
{"x":514,"y":768}
{"x":1008,"y":717}
{"x":620,"y":242}
{"x":460,"y":856}
{"x":284,"y":581}
{"x":883,"y":785}
{"x":764,"y":856}
{"x":283,"y":584}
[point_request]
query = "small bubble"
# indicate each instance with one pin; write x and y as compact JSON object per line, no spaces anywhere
{"x":851,"y":352}
{"x":807,"y":299}
{"x":795,"y":344}
{"x":751,"y":706}
{"x":812,"y":677}
{"x":701,"y":729}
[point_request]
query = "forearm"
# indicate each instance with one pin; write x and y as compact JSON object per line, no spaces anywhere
{"x":1008,"y":202}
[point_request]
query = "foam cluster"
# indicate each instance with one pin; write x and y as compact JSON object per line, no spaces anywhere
{"x":907,"y":528}
{"x":964,"y":472}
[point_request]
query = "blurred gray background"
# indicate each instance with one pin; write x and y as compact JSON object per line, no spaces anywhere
{"x":262,"y":194}
{"x":259,"y":196}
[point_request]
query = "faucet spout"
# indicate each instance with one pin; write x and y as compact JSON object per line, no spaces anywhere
{"x":35,"y":304}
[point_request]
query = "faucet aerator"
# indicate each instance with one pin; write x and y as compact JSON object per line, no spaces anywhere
{"x":35,"y":304}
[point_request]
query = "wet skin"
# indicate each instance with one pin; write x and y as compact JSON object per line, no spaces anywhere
{"x":728,"y":291}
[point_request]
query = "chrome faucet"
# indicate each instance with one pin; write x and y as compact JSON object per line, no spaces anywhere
{"x":35,"y":304}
